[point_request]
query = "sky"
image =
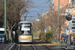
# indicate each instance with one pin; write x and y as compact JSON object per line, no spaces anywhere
{"x":41,"y":6}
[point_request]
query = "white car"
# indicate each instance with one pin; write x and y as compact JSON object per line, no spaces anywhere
{"x":2,"y":35}
{"x":1,"y":38}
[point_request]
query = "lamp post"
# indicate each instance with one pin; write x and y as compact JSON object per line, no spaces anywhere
{"x":5,"y":18}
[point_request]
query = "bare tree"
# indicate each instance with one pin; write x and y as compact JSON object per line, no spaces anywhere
{"x":14,"y":8}
{"x":52,"y":20}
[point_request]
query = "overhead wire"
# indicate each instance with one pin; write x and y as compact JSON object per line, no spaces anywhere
{"x":40,"y":6}
{"x":48,"y":1}
{"x":43,"y":7}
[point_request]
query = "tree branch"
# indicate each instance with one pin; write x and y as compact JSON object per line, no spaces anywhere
{"x":13,"y":26}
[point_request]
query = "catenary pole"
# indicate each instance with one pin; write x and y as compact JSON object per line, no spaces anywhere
{"x":58,"y":18}
{"x":5,"y":18}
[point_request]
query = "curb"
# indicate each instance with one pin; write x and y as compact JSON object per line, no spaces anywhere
{"x":12,"y":47}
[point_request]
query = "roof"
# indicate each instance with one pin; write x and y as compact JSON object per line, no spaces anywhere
{"x":2,"y":29}
{"x":25,"y":22}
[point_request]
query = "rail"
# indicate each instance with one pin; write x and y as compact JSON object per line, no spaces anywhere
{"x":19,"y":47}
{"x":33,"y":47}
{"x":46,"y":47}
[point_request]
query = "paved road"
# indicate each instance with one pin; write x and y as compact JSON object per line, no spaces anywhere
{"x":5,"y":46}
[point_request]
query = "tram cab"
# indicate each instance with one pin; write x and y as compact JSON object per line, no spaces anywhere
{"x":25,"y":31}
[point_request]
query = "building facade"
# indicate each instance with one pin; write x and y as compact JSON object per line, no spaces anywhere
{"x":70,"y":8}
{"x":62,"y":3}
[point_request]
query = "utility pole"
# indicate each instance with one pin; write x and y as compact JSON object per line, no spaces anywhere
{"x":58,"y":18}
{"x":5,"y":18}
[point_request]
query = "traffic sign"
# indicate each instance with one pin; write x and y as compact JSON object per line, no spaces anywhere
{"x":73,"y":34}
{"x":69,"y":17}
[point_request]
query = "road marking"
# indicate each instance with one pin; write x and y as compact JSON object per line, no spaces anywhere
{"x":11,"y":46}
{"x":7,"y":46}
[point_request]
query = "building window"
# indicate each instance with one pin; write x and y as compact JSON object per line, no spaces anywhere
{"x":73,"y":3}
{"x":60,"y":6}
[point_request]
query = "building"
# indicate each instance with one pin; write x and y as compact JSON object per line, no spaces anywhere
{"x":70,"y":4}
{"x":62,"y":3}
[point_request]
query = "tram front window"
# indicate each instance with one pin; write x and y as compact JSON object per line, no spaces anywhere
{"x":25,"y":33}
{"x":25,"y":29}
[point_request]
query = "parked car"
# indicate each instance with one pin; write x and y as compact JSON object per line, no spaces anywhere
{"x":2,"y":35}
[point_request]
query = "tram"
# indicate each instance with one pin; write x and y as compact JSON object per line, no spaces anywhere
{"x":25,"y":32}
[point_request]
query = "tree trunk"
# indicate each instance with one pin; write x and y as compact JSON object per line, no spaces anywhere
{"x":9,"y":34}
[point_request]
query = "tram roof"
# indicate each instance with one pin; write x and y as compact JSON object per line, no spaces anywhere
{"x":25,"y":22}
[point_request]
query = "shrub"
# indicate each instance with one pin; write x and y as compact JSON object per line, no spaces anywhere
{"x":48,"y":35}
{"x":39,"y":35}
{"x":34,"y":34}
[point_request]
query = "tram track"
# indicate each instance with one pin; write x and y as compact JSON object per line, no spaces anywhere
{"x":42,"y":47}
{"x":33,"y":47}
{"x":20,"y":47}
{"x":37,"y":45}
